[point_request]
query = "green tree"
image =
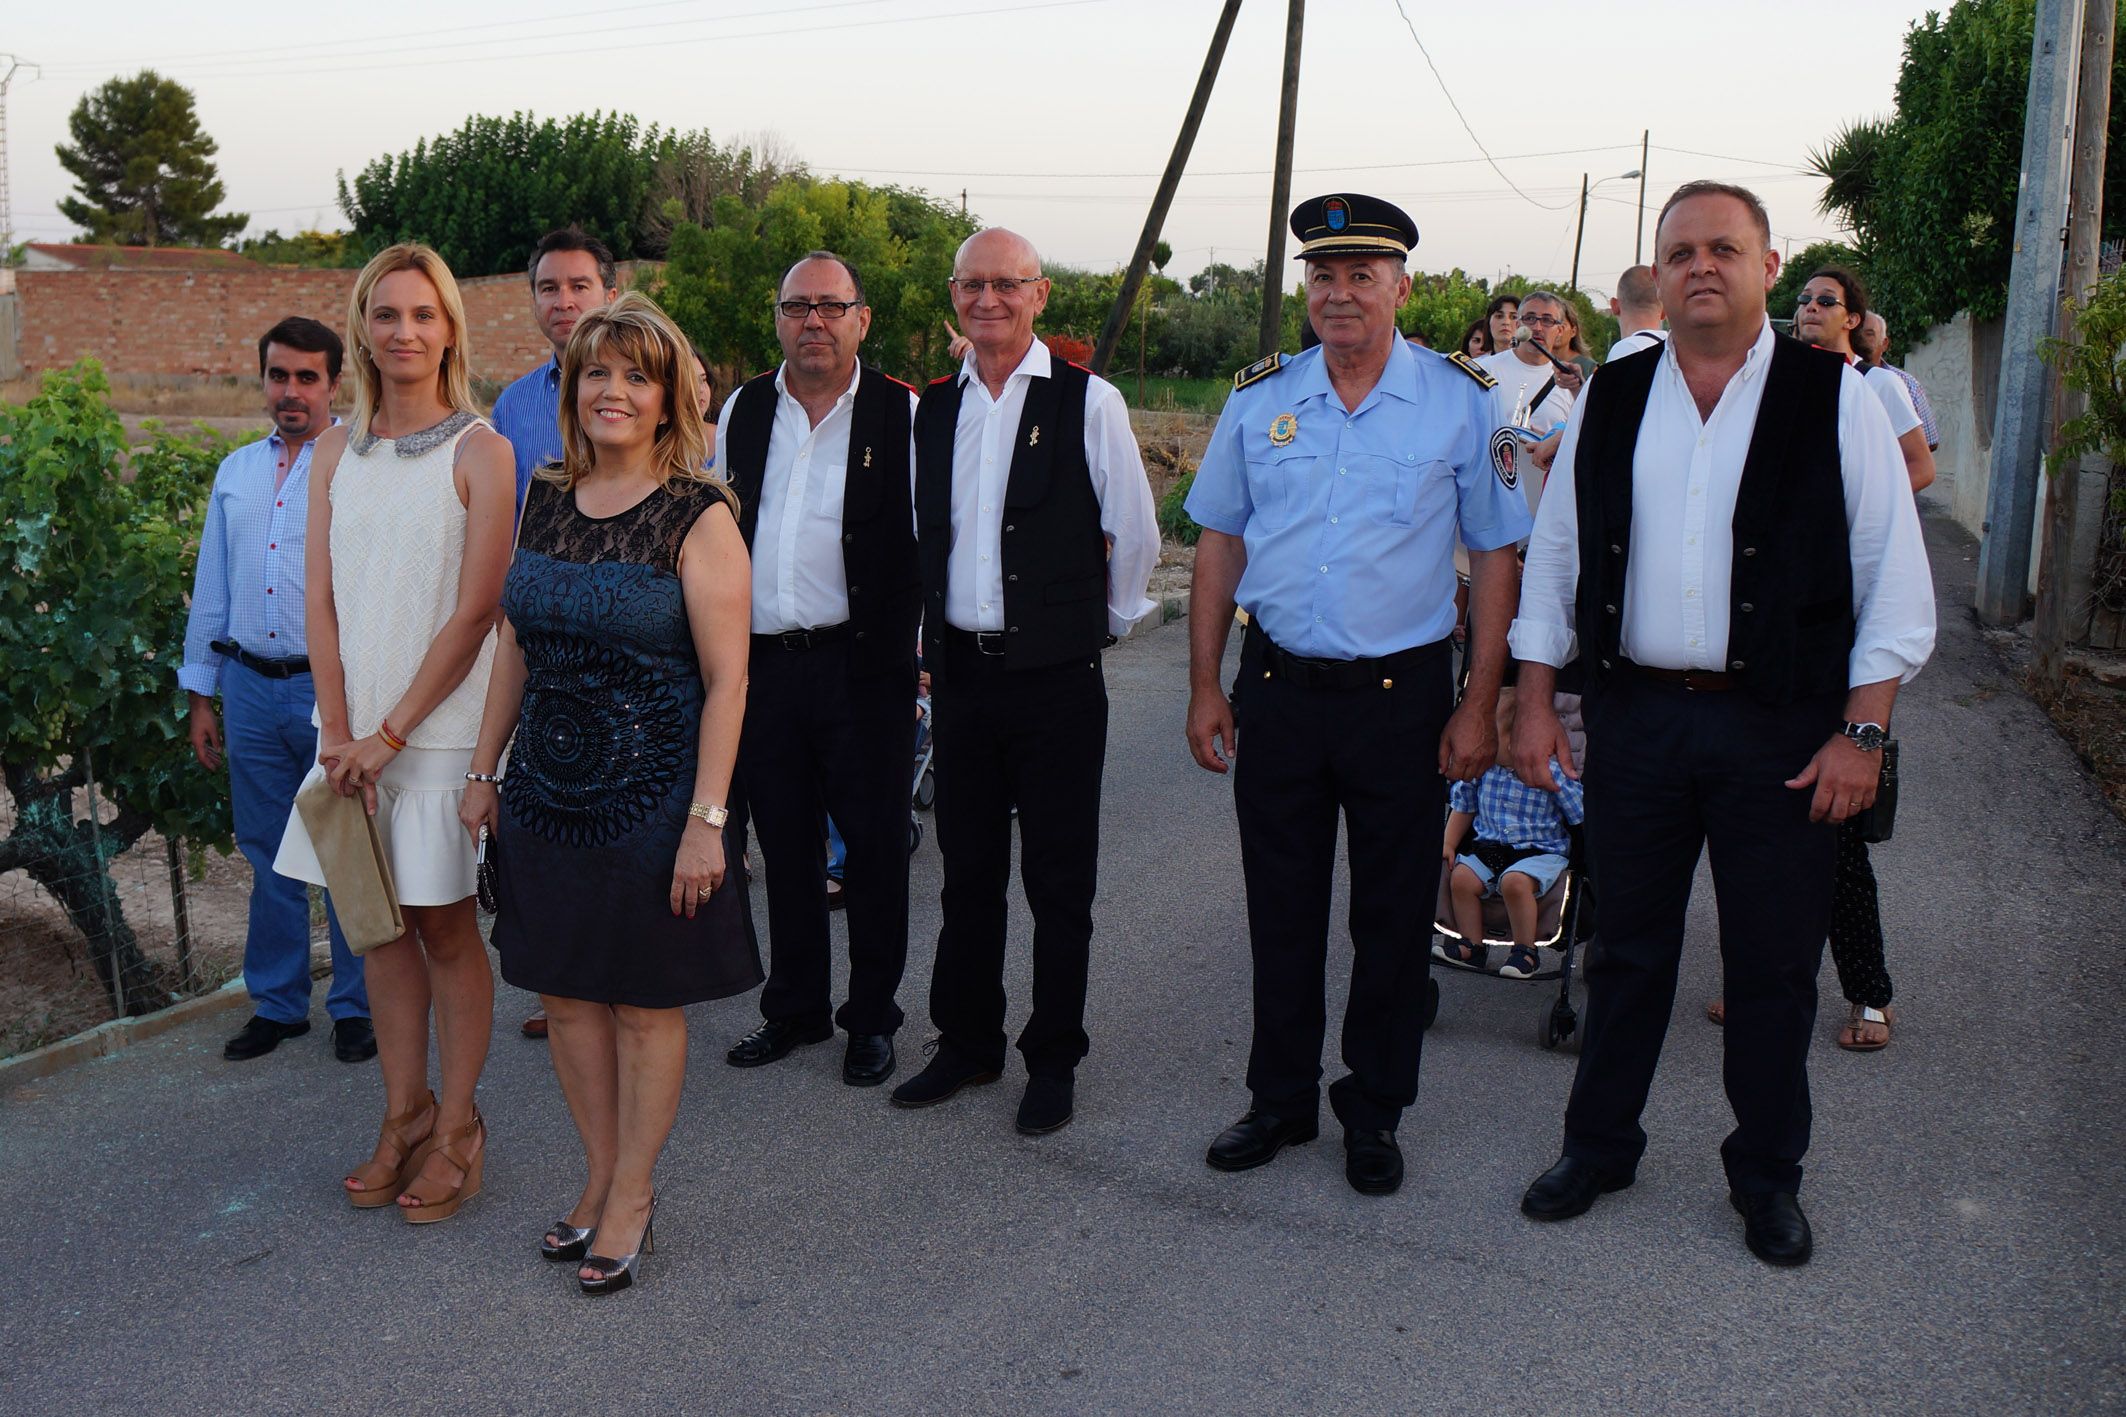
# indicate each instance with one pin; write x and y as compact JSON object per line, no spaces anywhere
{"x":145,"y":167}
{"x":1795,"y":274}
{"x":482,"y":195}
{"x":693,"y":172}
{"x":323,"y":250}
{"x":92,"y":612}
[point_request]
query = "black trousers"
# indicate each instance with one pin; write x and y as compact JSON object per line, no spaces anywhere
{"x":1856,"y":924}
{"x":1036,"y":739}
{"x":1672,"y":773}
{"x":820,"y":742}
{"x":1307,"y":754}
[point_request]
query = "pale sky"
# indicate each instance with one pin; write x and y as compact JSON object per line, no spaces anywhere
{"x":1055,"y":116}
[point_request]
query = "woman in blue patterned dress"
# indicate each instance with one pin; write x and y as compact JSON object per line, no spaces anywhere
{"x":620,"y":675}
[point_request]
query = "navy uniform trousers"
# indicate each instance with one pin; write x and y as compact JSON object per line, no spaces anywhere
{"x":1306,"y":755}
{"x":1672,"y":773}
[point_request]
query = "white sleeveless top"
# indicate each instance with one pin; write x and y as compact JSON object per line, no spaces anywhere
{"x":398,"y":544}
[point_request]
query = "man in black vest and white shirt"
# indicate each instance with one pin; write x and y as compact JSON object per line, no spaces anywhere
{"x":1037,"y":536}
{"x":1730,"y":539}
{"x":820,"y":454}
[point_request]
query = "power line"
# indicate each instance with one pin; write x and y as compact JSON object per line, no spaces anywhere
{"x":957,"y":173}
{"x":1464,"y":120}
{"x":1729,"y":157}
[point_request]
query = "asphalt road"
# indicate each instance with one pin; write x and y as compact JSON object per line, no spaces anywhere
{"x":180,"y":1245}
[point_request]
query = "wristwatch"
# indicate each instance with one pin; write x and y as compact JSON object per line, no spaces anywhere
{"x":714,"y":816}
{"x":1868,"y":737}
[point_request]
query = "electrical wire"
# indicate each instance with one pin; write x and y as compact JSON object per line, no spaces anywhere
{"x":1236,"y":172}
{"x":1546,"y":206}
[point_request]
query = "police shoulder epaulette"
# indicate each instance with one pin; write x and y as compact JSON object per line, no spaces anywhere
{"x":1261,"y":369}
{"x":1470,"y":367}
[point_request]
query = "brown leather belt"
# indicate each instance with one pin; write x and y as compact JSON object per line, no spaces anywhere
{"x":1702,"y":680}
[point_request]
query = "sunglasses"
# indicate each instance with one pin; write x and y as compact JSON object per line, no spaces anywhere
{"x":1821,"y":302}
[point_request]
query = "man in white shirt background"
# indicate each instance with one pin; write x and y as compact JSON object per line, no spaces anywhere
{"x":1036,"y":535}
{"x":1533,"y":391}
{"x":1730,"y":543}
{"x":1637,"y":306}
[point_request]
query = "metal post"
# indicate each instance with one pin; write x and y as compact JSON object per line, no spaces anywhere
{"x":181,"y":915}
{"x":1111,"y":333}
{"x":1638,"y":240}
{"x":1281,"y":186}
{"x":1578,"y":236}
{"x":2026,"y":382}
{"x":2053,"y":627}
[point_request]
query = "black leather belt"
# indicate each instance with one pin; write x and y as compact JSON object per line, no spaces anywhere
{"x":798,"y":641}
{"x":1702,"y":680}
{"x":270,"y":668}
{"x":989,"y":642}
{"x":1276,"y":663}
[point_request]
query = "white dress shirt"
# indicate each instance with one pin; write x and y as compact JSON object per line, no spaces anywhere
{"x":799,"y":579}
{"x":1685,"y":475}
{"x":1633,"y":343}
{"x":1896,"y":398}
{"x":982,"y":447}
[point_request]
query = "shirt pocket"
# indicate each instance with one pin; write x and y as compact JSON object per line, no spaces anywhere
{"x":831,"y":478}
{"x":1280,"y":486}
{"x":1388,"y":485}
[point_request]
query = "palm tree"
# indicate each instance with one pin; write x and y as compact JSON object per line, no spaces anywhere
{"x":1851,"y":166}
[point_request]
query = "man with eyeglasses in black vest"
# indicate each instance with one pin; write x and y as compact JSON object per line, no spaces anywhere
{"x":1729,"y":542}
{"x":1037,"y":535}
{"x":820,"y":454}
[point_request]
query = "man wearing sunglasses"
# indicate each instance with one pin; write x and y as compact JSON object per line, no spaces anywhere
{"x":1037,"y":535}
{"x":819,"y":452}
{"x":1834,"y":305}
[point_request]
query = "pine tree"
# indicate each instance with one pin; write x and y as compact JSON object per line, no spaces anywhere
{"x":145,"y":167}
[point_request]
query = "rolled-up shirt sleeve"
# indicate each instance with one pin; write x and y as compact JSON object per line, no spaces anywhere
{"x":1542,"y":632}
{"x":1127,"y":516}
{"x":1218,"y":497}
{"x":1893,"y":586}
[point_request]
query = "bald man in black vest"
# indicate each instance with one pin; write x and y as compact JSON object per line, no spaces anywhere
{"x":820,"y":454}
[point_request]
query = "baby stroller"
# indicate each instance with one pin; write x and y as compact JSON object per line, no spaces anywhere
{"x":1564,"y":918}
{"x":924,"y":793}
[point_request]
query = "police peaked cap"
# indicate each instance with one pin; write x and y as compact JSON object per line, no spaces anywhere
{"x":1348,"y":224}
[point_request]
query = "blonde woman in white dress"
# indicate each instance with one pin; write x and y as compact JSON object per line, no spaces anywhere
{"x":412,"y":506}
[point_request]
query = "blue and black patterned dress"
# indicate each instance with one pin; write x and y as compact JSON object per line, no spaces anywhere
{"x":602,"y":766}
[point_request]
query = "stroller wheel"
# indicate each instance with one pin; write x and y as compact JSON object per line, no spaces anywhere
{"x":915,"y":835}
{"x":1555,"y":1024}
{"x":926,"y":790}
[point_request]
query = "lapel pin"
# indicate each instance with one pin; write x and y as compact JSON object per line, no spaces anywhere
{"x":1034,"y":438}
{"x":867,"y":457}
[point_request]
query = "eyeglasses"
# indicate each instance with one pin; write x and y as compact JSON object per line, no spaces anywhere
{"x":828,"y":309}
{"x":1821,"y":302}
{"x":1541,"y":321}
{"x":1002,"y":285}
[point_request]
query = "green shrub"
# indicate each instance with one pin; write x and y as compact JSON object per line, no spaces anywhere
{"x":1174,"y":521}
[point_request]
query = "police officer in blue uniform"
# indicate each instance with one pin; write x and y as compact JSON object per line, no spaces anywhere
{"x":1330,"y":498}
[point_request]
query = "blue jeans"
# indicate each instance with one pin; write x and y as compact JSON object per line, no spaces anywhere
{"x":271,"y":746}
{"x":837,"y":851}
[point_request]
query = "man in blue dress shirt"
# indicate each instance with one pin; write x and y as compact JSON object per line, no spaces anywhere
{"x":1330,"y":498}
{"x":571,"y":275}
{"x":245,"y":640}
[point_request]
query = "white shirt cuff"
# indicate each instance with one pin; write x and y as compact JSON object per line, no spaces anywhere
{"x":1538,"y":643}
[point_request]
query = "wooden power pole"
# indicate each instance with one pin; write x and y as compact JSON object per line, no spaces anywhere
{"x":1281,"y":185}
{"x":1111,"y":333}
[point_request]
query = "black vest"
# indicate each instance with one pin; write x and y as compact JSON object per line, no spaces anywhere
{"x":1055,"y":555}
{"x":878,"y":536}
{"x":1790,"y":602}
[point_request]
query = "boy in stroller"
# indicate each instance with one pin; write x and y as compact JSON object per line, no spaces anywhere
{"x":1520,"y":846}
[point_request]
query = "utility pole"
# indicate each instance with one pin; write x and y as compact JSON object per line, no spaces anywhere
{"x":10,"y":65}
{"x":2053,"y":625}
{"x":2019,"y":423}
{"x":1579,"y":236}
{"x":1132,"y":279}
{"x":1281,"y":186}
{"x":963,"y":201}
{"x":1638,"y":240}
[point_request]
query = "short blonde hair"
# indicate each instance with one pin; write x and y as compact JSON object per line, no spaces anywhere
{"x":635,"y":329}
{"x":454,"y":378}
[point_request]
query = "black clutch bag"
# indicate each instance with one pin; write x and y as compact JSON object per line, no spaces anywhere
{"x":1877,"y":823}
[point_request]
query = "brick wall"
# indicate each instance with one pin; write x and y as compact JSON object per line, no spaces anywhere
{"x":206,"y":324}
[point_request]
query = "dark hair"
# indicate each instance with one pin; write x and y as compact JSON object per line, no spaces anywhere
{"x":1705,"y":188}
{"x":573,"y":238}
{"x":1481,"y":328}
{"x":1499,"y":302}
{"x":303,"y":333}
{"x":856,"y":282}
{"x":1856,"y":298}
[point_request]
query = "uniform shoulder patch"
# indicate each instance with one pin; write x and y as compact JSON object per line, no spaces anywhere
{"x":1474,"y":370}
{"x":1261,"y":369}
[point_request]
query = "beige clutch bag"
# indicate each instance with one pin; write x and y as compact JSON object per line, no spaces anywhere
{"x":344,"y":836}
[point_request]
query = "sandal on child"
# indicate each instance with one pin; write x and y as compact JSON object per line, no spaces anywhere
{"x":1460,"y":953}
{"x":1522,"y":962}
{"x":1853,"y":1037}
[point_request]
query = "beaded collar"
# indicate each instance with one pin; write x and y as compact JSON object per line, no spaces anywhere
{"x":414,"y":444}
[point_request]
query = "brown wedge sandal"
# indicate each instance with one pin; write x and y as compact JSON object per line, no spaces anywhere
{"x":451,"y":1148}
{"x":407,"y":1156}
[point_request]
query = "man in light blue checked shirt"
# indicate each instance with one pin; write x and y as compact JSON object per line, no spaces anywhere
{"x":571,"y":275}
{"x":245,"y":640}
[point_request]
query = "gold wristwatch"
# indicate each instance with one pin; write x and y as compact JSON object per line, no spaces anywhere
{"x":714,"y":816}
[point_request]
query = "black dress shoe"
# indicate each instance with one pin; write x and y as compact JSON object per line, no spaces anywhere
{"x":1257,"y":1138}
{"x":353,"y":1040}
{"x":773,"y":1039}
{"x":1373,"y":1163}
{"x":261,"y":1036}
{"x":1774,"y":1227}
{"x":946,"y":1074}
{"x":869,"y":1060}
{"x":1568,"y":1189}
{"x":1046,"y":1105}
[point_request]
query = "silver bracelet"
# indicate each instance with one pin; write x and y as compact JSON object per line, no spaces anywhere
{"x":493,"y":777}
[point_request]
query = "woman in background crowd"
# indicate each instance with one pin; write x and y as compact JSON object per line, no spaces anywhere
{"x":1501,"y":318}
{"x":621,"y":677}
{"x":409,"y":529}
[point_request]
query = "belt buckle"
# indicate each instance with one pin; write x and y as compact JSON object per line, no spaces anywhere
{"x":794,"y":640}
{"x":982,"y":640}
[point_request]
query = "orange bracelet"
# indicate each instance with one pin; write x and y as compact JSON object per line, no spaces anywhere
{"x":391,"y":739}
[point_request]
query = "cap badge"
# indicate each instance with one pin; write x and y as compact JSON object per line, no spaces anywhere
{"x":1283,"y":429}
{"x":1336,"y":213}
